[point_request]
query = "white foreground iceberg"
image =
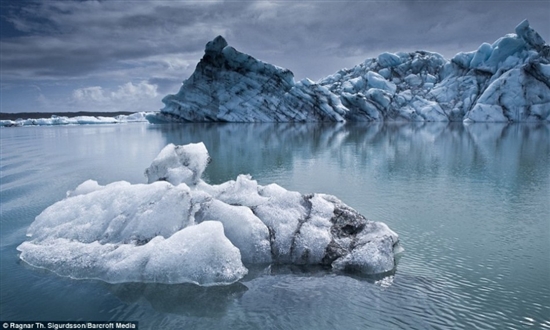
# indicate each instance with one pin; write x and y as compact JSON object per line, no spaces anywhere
{"x":180,"y":229}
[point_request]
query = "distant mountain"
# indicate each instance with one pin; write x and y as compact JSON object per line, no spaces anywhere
{"x":507,"y":81}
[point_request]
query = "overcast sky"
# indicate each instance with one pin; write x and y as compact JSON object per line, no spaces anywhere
{"x":116,"y":55}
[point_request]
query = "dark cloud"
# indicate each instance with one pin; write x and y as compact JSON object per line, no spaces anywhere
{"x":161,"y":41}
{"x":66,"y":38}
{"x":80,"y":37}
{"x":298,"y":35}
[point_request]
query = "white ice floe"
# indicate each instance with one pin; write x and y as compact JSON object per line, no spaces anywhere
{"x":77,"y":120}
{"x":178,"y":228}
{"x":167,"y":166}
{"x":479,"y":85}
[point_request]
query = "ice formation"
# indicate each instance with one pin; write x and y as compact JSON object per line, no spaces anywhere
{"x":78,"y":120}
{"x":506,"y":81}
{"x":180,"y":229}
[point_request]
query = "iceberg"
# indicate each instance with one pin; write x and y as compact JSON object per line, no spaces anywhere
{"x":231,"y":86}
{"x":507,"y":81}
{"x":55,"y":120}
{"x":179,"y":229}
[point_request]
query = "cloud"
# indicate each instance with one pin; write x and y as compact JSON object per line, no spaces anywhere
{"x":127,"y":92}
{"x":108,"y":43}
{"x":141,"y":96}
{"x":90,"y":94}
{"x":65,"y":39}
{"x":166,"y":85}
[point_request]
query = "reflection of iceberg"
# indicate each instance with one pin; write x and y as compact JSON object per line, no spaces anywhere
{"x":184,"y":299}
{"x":179,"y":229}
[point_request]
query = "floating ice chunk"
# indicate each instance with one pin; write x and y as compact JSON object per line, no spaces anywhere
{"x":55,"y":120}
{"x":198,"y":254}
{"x":170,"y":232}
{"x":231,"y":86}
{"x":134,"y":117}
{"x":177,"y":164}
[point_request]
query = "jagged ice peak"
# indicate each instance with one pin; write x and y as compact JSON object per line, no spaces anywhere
{"x":506,"y":81}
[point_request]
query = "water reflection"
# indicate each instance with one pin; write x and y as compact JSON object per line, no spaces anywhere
{"x":252,"y":148}
{"x":183,"y":299}
{"x":318,"y":271}
{"x":470,"y":203}
{"x":409,"y":149}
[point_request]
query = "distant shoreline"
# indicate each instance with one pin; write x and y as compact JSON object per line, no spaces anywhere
{"x":36,"y":115}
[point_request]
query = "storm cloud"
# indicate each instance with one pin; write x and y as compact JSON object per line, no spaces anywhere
{"x":109,"y":44}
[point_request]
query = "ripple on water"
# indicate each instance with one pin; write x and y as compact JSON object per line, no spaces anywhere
{"x":474,"y":227}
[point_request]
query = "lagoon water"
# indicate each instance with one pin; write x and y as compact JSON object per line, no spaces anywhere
{"x":471,"y":204}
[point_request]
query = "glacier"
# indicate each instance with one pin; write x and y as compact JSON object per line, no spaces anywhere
{"x":506,"y":81}
{"x":177,"y":228}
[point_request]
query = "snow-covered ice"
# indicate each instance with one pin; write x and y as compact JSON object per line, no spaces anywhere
{"x":179,"y":229}
{"x":78,"y":120}
{"x":167,"y":166}
{"x":506,"y":81}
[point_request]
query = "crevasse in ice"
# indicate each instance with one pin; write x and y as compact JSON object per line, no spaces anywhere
{"x":180,"y":229}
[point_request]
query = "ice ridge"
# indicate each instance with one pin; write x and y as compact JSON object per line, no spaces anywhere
{"x":506,"y":81}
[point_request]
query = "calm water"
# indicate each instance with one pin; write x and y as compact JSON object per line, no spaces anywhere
{"x":471,"y":205}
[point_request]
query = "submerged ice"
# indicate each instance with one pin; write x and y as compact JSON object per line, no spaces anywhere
{"x":180,"y":229}
{"x":506,"y":81}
